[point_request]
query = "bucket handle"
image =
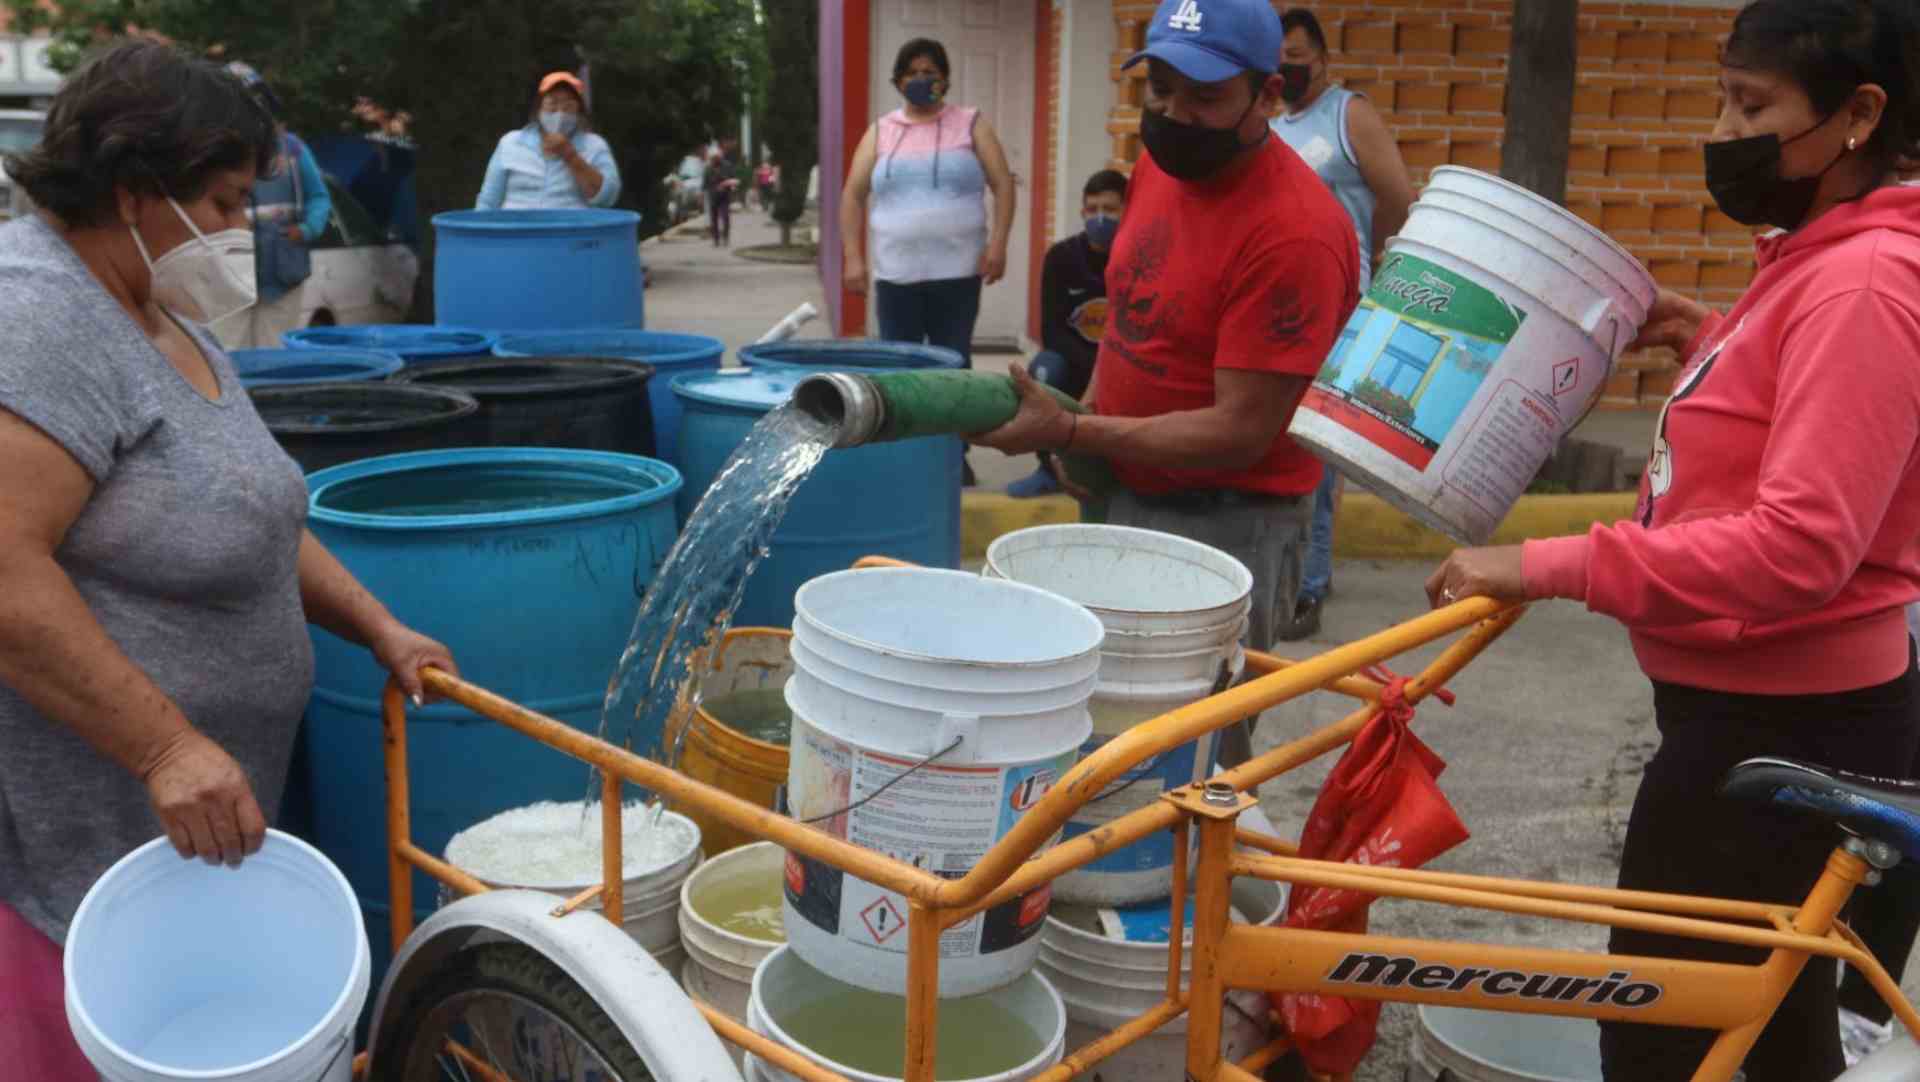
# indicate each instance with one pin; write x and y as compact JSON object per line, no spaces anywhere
{"x":963,"y":729}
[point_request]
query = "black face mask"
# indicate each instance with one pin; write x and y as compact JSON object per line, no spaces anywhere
{"x":1744,"y":177}
{"x":1295,"y":80}
{"x":1190,"y":152}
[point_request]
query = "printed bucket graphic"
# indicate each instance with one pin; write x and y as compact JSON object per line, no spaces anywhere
{"x":1487,"y":335}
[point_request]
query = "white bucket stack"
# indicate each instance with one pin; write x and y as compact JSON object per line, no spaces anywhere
{"x":1174,"y":612}
{"x":514,"y":850}
{"x":176,"y":970}
{"x":1111,"y":967}
{"x":931,"y":709}
{"x":1489,"y":331}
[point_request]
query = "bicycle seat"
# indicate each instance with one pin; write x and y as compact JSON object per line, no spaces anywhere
{"x":1877,"y":808}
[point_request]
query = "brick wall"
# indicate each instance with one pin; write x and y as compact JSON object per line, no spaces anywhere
{"x":1644,"y":102}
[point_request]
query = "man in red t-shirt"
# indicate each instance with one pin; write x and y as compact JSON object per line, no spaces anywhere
{"x":1231,"y":277}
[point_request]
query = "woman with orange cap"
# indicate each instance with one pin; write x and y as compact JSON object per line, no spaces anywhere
{"x":555,"y":162}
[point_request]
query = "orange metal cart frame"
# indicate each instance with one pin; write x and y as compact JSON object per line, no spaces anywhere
{"x":1736,"y":1000}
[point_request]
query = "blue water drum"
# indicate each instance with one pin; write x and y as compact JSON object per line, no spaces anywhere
{"x":285,"y":367}
{"x":670,"y":355}
{"x":408,"y":341}
{"x":894,"y":499}
{"x":866,"y":355}
{"x":529,"y":564}
{"x":538,"y":270}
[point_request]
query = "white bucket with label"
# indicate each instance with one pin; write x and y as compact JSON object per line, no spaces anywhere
{"x":985,"y":683}
{"x":1174,"y":611}
{"x":1453,"y":1044}
{"x":1110,"y":967}
{"x":513,"y":850}
{"x":729,"y":921}
{"x":176,"y":970}
{"x":1006,"y":1035}
{"x":1491,"y":328}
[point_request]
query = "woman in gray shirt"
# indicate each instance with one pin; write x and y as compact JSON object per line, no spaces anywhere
{"x":156,"y":576}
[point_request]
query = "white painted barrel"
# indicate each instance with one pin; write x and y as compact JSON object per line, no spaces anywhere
{"x":1489,"y":331}
{"x":1174,"y":611}
{"x":893,"y":667}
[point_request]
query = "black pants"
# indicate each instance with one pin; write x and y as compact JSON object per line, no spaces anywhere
{"x":720,"y":215}
{"x":1683,"y":838}
{"x":1887,"y":918}
{"x":939,"y":313}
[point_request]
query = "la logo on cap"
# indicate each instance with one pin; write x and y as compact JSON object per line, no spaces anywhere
{"x":1187,"y":18}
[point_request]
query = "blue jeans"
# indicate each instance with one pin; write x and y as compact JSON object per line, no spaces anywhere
{"x":940,"y":313}
{"x":1317,"y":577}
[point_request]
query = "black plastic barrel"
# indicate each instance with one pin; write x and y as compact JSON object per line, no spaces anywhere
{"x":584,"y":403}
{"x":326,"y":424}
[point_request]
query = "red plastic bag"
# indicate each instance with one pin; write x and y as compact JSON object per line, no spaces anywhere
{"x":1380,"y":806}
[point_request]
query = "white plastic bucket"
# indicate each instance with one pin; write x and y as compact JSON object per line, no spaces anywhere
{"x":892,"y":667}
{"x":1112,"y":976}
{"x":177,"y":970}
{"x":720,"y":962}
{"x":798,"y":1006}
{"x":650,"y":895}
{"x":1490,"y":1046}
{"x":1489,"y":331}
{"x":1174,"y":611}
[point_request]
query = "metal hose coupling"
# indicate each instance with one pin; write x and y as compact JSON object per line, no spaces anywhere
{"x":847,"y":403}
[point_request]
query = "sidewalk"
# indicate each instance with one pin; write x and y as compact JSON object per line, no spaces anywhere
{"x":700,"y":289}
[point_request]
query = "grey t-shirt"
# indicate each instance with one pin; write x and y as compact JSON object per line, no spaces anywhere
{"x":186,"y":554}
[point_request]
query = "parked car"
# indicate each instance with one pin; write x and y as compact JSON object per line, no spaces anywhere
{"x":19,"y":130}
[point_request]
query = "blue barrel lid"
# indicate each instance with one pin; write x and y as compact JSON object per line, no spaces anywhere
{"x":535,"y":221}
{"x":665,"y":350}
{"x":408,"y":340}
{"x":281,"y":367}
{"x":743,"y":389}
{"x":828,"y":354}
{"x":603,"y":483}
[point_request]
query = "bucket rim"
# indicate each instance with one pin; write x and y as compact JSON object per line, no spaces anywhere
{"x":408,"y":340}
{"x":1002,"y":546}
{"x":739,"y":852}
{"x":361,"y":970}
{"x":617,"y":374}
{"x":260,"y":367}
{"x":930,"y":357}
{"x":531,"y":219}
{"x":693,"y":860}
{"x":662,"y":349}
{"x":1050,"y":1046}
{"x":1559,"y":212}
{"x":665,"y":483}
{"x":822,"y":583}
{"x":701,"y":387}
{"x":459,"y":405}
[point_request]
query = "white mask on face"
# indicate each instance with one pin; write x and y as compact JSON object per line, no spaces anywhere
{"x":559,"y":123}
{"x":206,"y":279}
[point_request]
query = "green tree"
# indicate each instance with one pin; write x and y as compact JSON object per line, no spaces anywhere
{"x":793,"y":104}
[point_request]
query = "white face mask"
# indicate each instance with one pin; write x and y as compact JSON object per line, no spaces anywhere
{"x":206,"y":279}
{"x":559,"y":123}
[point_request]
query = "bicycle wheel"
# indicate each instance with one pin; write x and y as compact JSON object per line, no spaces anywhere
{"x":514,"y":1015}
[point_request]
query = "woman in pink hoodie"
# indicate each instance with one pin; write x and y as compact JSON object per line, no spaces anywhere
{"x":1764,"y":576}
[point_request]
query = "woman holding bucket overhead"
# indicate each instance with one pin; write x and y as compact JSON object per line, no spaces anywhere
{"x":1764,"y":576}
{"x":156,"y":578}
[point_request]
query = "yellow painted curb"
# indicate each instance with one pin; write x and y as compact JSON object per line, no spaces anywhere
{"x":1367,"y":526}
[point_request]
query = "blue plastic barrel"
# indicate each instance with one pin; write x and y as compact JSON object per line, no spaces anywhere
{"x":537,"y":270}
{"x":865,"y":355}
{"x":409,"y":341}
{"x":894,"y":499}
{"x":669,"y":354}
{"x":282,"y":367}
{"x":529,"y":564}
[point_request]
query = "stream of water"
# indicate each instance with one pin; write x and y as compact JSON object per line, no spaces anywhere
{"x":691,"y":600}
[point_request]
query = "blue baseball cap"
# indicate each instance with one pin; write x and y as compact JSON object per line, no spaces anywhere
{"x":1211,"y":41}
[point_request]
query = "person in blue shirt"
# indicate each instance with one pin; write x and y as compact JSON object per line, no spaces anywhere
{"x":555,"y":162}
{"x":290,"y":207}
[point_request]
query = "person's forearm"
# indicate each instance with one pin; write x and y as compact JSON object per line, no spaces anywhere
{"x":1003,"y":207}
{"x":58,"y":658}
{"x":853,"y":227}
{"x":585,"y":176}
{"x":333,"y":599}
{"x":1202,"y":439}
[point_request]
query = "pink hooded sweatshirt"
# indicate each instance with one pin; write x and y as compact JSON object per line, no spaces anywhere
{"x":1777,"y":538}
